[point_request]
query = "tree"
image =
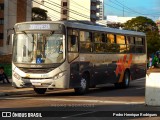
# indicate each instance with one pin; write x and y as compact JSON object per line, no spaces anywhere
{"x":148,"y":26}
{"x":39,"y":14}
{"x":115,"y":25}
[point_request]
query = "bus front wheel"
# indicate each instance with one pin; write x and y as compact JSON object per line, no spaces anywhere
{"x":40,"y":90}
{"x":84,"y":86}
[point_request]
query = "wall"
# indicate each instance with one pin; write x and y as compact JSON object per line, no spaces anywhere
{"x":53,"y":8}
{"x":14,"y":11}
{"x":82,"y":7}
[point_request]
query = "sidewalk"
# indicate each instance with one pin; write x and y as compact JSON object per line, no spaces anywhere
{"x":7,"y":89}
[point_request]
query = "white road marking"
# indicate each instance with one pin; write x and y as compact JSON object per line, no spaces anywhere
{"x":15,"y":98}
{"x":93,"y":101}
{"x":82,"y":101}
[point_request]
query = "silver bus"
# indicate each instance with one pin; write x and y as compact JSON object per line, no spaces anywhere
{"x":74,"y":54}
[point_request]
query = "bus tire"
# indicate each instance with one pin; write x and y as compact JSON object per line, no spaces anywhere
{"x":118,"y":85}
{"x":84,"y":85}
{"x":40,"y":90}
{"x":126,"y":80}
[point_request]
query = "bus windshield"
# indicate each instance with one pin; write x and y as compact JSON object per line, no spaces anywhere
{"x":38,"y":47}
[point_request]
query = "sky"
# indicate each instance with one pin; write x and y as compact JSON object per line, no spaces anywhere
{"x":133,"y":8}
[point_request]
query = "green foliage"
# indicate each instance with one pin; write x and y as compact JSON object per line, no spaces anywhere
{"x":148,"y":26}
{"x":7,"y":69}
{"x":39,"y":14}
{"x":115,"y":25}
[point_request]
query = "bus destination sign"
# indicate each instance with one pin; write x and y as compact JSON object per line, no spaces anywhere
{"x":39,"y":26}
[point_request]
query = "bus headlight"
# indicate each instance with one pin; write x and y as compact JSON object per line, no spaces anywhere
{"x":16,"y":76}
{"x":58,"y":75}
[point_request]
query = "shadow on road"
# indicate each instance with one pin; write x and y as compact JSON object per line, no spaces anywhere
{"x":105,"y":91}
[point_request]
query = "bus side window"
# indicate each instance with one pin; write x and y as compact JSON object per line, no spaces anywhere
{"x":103,"y":38}
{"x":85,"y":42}
{"x":130,"y":44}
{"x":73,"y":44}
{"x":120,"y":40}
{"x":110,"y":42}
{"x":99,"y":42}
{"x":139,"y":45}
{"x":73,"y":40}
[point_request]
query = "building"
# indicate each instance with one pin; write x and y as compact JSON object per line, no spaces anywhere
{"x":11,"y":12}
{"x":71,"y":9}
{"x":37,"y":3}
{"x":101,"y":10}
{"x":116,"y":19}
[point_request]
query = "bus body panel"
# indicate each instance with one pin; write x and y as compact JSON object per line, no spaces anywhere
{"x":57,"y":78}
{"x":101,"y":68}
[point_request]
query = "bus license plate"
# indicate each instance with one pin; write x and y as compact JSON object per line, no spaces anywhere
{"x":36,"y":83}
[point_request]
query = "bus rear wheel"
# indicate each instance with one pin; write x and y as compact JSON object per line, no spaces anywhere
{"x":40,"y":90}
{"x":117,"y":85}
{"x":84,"y":86}
{"x":126,"y":80}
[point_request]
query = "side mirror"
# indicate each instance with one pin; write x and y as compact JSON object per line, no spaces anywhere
{"x":73,"y":39}
{"x":10,"y":39}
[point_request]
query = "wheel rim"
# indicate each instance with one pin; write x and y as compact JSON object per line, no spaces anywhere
{"x":83,"y":83}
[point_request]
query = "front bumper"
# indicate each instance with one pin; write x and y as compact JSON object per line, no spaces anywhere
{"x":42,"y":83}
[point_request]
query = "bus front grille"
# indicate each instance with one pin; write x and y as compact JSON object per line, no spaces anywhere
{"x":36,"y":70}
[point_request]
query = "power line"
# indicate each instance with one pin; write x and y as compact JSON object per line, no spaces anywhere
{"x":59,"y":12}
{"x":130,"y":10}
{"x":70,"y":10}
{"x":134,"y":10}
{"x":57,"y":5}
{"x":52,"y":9}
{"x":88,"y":10}
{"x":118,"y":8}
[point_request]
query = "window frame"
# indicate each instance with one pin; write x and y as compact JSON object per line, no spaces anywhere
{"x":87,"y":42}
{"x":102,"y":49}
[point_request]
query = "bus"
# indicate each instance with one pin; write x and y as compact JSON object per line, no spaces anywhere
{"x":76,"y":55}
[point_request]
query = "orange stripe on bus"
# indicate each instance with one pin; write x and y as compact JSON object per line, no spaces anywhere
{"x":122,"y":64}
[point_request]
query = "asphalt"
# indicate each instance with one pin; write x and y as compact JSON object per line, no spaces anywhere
{"x":7,"y":89}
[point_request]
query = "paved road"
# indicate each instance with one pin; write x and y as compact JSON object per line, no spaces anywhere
{"x":101,"y":102}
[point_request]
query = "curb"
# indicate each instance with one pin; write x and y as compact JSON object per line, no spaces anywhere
{"x":3,"y":94}
{"x":15,"y":93}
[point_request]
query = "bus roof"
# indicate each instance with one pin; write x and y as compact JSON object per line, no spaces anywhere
{"x":86,"y":25}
